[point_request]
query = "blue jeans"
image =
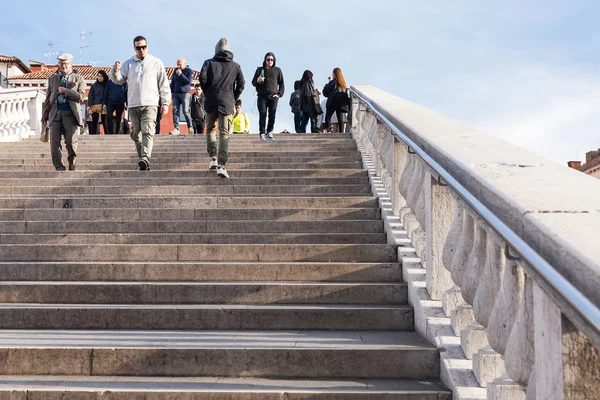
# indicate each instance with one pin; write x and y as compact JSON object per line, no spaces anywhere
{"x":304,"y":122}
{"x":182,"y":100}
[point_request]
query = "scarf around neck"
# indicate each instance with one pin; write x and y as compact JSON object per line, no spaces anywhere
{"x":64,"y":78}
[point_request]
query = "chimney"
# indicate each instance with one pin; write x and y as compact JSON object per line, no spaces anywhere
{"x":37,"y":66}
{"x":590,"y":155}
{"x":574,"y":164}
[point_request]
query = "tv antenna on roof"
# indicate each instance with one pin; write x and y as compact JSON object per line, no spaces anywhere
{"x":81,"y":53}
{"x":83,"y":34}
{"x":51,"y":53}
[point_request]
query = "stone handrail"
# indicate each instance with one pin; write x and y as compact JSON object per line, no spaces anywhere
{"x":20,"y":113}
{"x":508,"y":239}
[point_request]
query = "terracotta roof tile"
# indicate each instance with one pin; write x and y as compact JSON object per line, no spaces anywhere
{"x":593,"y":164}
{"x":88,"y":72}
{"x":16,"y":60}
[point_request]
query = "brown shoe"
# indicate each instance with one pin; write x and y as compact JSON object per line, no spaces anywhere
{"x":72,"y":167}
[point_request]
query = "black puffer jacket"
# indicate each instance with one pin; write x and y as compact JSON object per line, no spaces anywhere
{"x":197,"y":106}
{"x":222,"y":82}
{"x":96,"y":93}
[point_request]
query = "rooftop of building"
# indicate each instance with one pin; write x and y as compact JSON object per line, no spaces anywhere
{"x":88,"y":72}
{"x":13,"y":59}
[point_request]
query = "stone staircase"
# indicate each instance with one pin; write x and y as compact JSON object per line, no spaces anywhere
{"x":176,"y":284}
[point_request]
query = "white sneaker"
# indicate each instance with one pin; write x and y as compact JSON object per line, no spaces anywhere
{"x":174,"y":132}
{"x":222,"y":172}
{"x":262,"y":136}
{"x":269,"y":135}
{"x":213,"y":163}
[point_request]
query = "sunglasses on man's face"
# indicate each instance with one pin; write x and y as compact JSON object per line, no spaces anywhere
{"x":141,"y":47}
{"x":270,"y":59}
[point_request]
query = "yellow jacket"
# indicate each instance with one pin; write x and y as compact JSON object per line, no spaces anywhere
{"x":241,"y":123}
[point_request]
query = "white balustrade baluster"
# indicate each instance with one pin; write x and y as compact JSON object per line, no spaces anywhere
{"x":12,"y":118}
{"x":27,"y":128}
{"x":3,"y":119}
{"x":506,"y":306}
{"x":407,"y":175}
{"x":451,"y":244}
{"x":465,"y":244}
{"x":19,"y":128}
{"x":475,"y":265}
{"x":490,"y":281}
{"x":519,"y":356}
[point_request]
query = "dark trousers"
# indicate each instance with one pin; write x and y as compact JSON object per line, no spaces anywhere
{"x":113,"y":124}
{"x":95,"y":128}
{"x":298,"y":122}
{"x":340,"y":117}
{"x":313,"y":123}
{"x":199,"y":126}
{"x":64,"y":124}
{"x":266,"y":104}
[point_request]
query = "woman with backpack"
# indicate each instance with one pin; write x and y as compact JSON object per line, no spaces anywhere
{"x":309,"y":102}
{"x":338,"y":100}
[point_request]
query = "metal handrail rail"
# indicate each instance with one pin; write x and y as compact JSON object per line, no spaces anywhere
{"x":587,"y":311}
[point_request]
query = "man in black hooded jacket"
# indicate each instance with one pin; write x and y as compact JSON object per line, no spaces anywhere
{"x":270,"y":87}
{"x":222,"y":82}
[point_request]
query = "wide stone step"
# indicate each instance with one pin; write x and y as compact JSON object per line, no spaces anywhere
{"x":196,"y":147}
{"x":200,"y":271}
{"x":182,"y":174}
{"x":132,"y":166}
{"x":190,"y":214}
{"x":209,"y":178}
{"x":157,"y":159}
{"x":143,"y":202}
{"x":184,"y":292}
{"x":195,"y":238}
{"x":215,"y":189}
{"x":251,"y":156}
{"x":40,"y":387}
{"x":335,"y":317}
{"x":267,"y":354}
{"x":193,"y":226}
{"x":201,"y":252}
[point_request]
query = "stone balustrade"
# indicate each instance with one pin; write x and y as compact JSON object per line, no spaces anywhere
{"x":20,"y":113}
{"x":522,"y":338}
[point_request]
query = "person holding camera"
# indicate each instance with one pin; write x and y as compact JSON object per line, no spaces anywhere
{"x":269,"y":84}
{"x":180,"y":89}
{"x":197,"y":109}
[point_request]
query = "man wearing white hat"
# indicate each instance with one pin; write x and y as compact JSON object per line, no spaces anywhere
{"x":147,"y":83}
{"x":66,"y":91}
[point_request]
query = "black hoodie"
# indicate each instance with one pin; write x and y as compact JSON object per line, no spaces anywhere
{"x":222,"y":82}
{"x":273,"y":83}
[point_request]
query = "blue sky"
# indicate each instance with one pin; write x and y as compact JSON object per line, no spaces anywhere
{"x":526,"y":71}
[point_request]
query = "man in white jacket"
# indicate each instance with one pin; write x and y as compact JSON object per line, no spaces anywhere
{"x":147,"y":84}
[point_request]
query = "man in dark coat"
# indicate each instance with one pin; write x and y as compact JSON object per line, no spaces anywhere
{"x":268,"y":80}
{"x":198,"y":112}
{"x":181,"y":85}
{"x":222,"y":81}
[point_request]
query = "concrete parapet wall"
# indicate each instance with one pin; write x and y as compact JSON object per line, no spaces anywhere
{"x":504,"y":312}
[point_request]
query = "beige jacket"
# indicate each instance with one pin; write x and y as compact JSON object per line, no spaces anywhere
{"x":75,"y":95}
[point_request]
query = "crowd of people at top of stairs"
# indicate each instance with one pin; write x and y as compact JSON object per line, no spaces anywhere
{"x":141,"y":87}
